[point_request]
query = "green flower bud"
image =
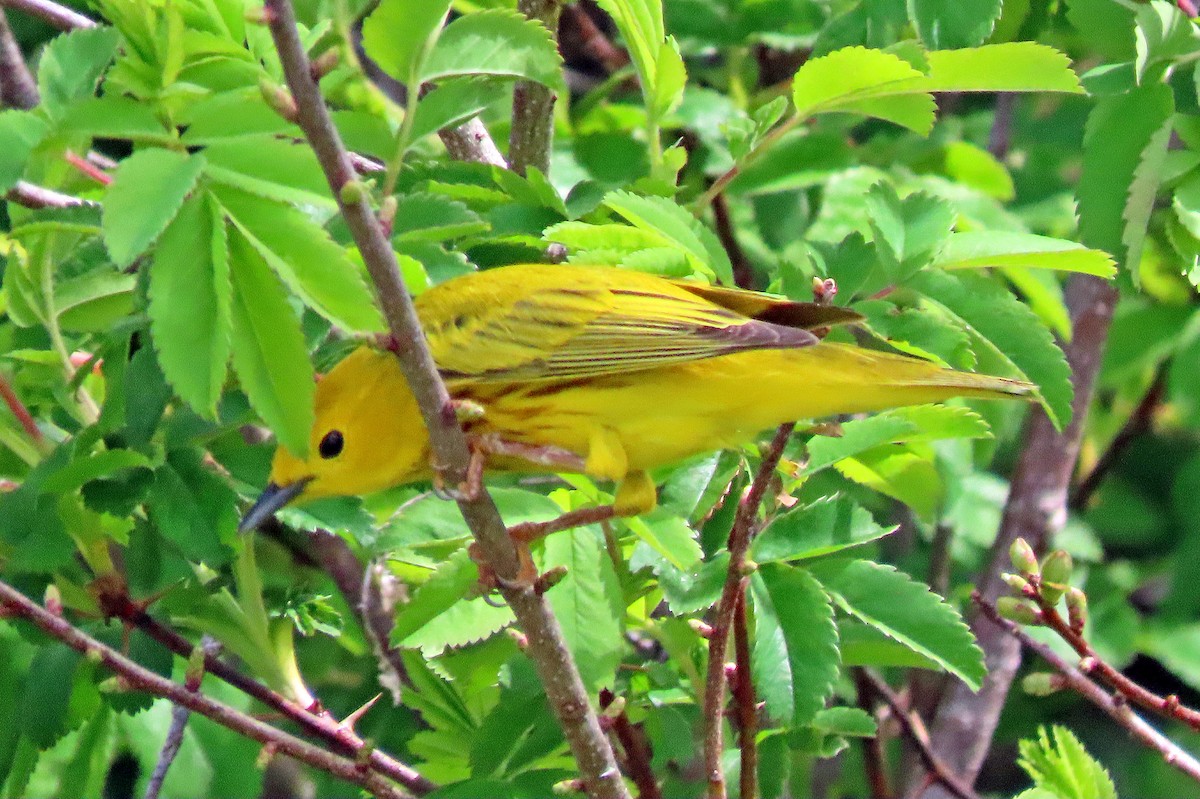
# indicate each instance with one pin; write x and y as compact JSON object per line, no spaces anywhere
{"x":1056,"y":575}
{"x":1015,"y":581}
{"x":1018,"y":610}
{"x":1042,"y":683}
{"x":1023,"y":559}
{"x":1076,"y":610}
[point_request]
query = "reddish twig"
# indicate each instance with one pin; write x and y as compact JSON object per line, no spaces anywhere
{"x":24,"y":417}
{"x":739,"y":542}
{"x":637,"y":749}
{"x":874,"y":762}
{"x":743,"y":274}
{"x":139,"y":678}
{"x":1116,"y":707}
{"x":744,"y":698}
{"x":88,"y":168}
{"x":593,"y":40}
{"x":914,"y":729}
{"x":1138,"y":422}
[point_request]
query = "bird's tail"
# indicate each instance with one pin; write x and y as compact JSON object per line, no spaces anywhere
{"x":849,"y":379}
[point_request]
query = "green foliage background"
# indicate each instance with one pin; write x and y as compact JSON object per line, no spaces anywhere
{"x":190,"y":298}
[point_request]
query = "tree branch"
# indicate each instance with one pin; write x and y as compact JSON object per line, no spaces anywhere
{"x":179,"y":718}
{"x":35,"y":197}
{"x":744,"y":698}
{"x":18,"y":89}
{"x":547,"y":647}
{"x":1036,"y":507}
{"x":60,"y":16}
{"x":1116,"y":707}
{"x":139,"y":678}
{"x":471,"y":142}
{"x":740,"y":535}
{"x":533,"y":104}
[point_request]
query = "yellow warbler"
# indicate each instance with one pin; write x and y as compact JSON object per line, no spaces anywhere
{"x":600,"y":370}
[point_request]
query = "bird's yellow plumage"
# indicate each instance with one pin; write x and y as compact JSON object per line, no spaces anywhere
{"x":625,"y":370}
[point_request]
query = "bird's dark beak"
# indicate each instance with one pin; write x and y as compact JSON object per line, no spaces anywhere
{"x":270,"y":500}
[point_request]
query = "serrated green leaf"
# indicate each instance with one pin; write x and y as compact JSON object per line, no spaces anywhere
{"x":147,"y":191}
{"x":91,"y":467}
{"x":1125,"y":135}
{"x":1010,"y":328}
{"x":305,"y":258}
{"x":270,"y":167}
{"x":452,"y":102}
{"x":944,"y":24}
{"x":397,"y":34}
{"x":44,"y":713}
{"x":676,"y":228}
{"x":1063,"y":768}
{"x":976,"y":249}
{"x":269,"y":355}
{"x":71,"y":64}
{"x":809,"y":531}
{"x":498,"y":43}
{"x":115,"y":117}
{"x":641,"y":25}
{"x":670,"y":77}
{"x":448,"y":584}
{"x":794,"y":656}
{"x":190,"y":305}
{"x":1007,"y":67}
{"x":233,"y":114}
{"x":95,"y":301}
{"x":434,"y":217}
{"x":921,"y":331}
{"x":909,"y":232}
{"x":20,"y":131}
{"x":904,"y":473}
{"x":863,"y":645}
{"x":588,"y":604}
{"x":852,"y":78}
{"x":906,"y":611}
{"x":851,"y":721}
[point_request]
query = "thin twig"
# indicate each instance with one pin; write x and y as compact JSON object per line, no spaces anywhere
{"x":593,"y":40}
{"x":532,"y":131}
{"x":547,"y":647}
{"x":1138,"y":422}
{"x":739,"y":542}
{"x":35,"y":197}
{"x":179,"y":718}
{"x":139,"y":678}
{"x":874,"y":762}
{"x":61,"y":17}
{"x":914,"y":730}
{"x":18,"y":89}
{"x":471,"y":142}
{"x":744,"y":699}
{"x":637,"y":750}
{"x":1000,"y":136}
{"x":962,"y":729}
{"x":316,"y":722}
{"x":743,"y":274}
{"x":1116,"y":707}
{"x":24,"y":417}
{"x":1093,"y":665}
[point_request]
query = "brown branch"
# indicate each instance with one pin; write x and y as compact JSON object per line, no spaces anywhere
{"x":874,"y":761}
{"x":139,"y":678}
{"x":179,"y":719}
{"x":637,"y":750}
{"x":1000,"y":136}
{"x":1093,"y":665}
{"x":1138,"y":422}
{"x":471,"y":142}
{"x":316,"y":722}
{"x":547,"y":647}
{"x":532,"y":134}
{"x":743,"y":274}
{"x":60,"y":16}
{"x":1037,"y":506}
{"x":739,"y":542}
{"x":1116,"y":707}
{"x":18,"y":89}
{"x":593,"y":40}
{"x":35,"y":197}
{"x":743,"y":697}
{"x":914,"y":729}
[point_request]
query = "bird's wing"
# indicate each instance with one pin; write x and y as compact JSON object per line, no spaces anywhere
{"x":583,"y":329}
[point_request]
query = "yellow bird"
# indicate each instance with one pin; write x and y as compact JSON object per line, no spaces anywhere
{"x":597,"y":370}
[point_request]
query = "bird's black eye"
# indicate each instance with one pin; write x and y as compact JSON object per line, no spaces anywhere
{"x":331,"y":445}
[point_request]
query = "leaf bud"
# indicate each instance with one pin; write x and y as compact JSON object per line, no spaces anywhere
{"x":1018,"y":610}
{"x":52,"y":599}
{"x":1076,"y":610}
{"x":1016,"y":582}
{"x":568,"y":787}
{"x":353,"y":192}
{"x":279,"y":99}
{"x":1042,"y":683}
{"x":1023,"y":559}
{"x":1056,"y":575}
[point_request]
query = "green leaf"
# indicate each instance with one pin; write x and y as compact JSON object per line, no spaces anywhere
{"x":498,"y":43}
{"x":434,"y":217}
{"x":398,"y":34}
{"x":670,"y":79}
{"x":451,"y":103}
{"x":270,"y":167}
{"x":853,"y":79}
{"x":147,"y":191}
{"x":447,"y":586}
{"x":903,"y":473}
{"x":918,"y":423}
{"x":71,"y":64}
{"x":115,"y":117}
{"x":1123,"y":145}
{"x":1008,"y":326}
{"x":1063,"y":768}
{"x":20,"y":131}
{"x":305,"y":258}
{"x":588,"y":604}
{"x":906,"y":611}
{"x":978,"y":249}
{"x":190,"y":305}
{"x":851,"y":721}
{"x":44,"y":715}
{"x":863,"y":645}
{"x":794,"y":656}
{"x":269,"y":355}
{"x":1007,"y":67}
{"x":809,"y":531}
{"x":909,"y":232}
{"x":676,"y":228}
{"x":95,"y":301}
{"x":641,"y":25}
{"x":943,"y":24}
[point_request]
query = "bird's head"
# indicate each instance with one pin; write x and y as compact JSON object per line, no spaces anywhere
{"x":367,"y":435}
